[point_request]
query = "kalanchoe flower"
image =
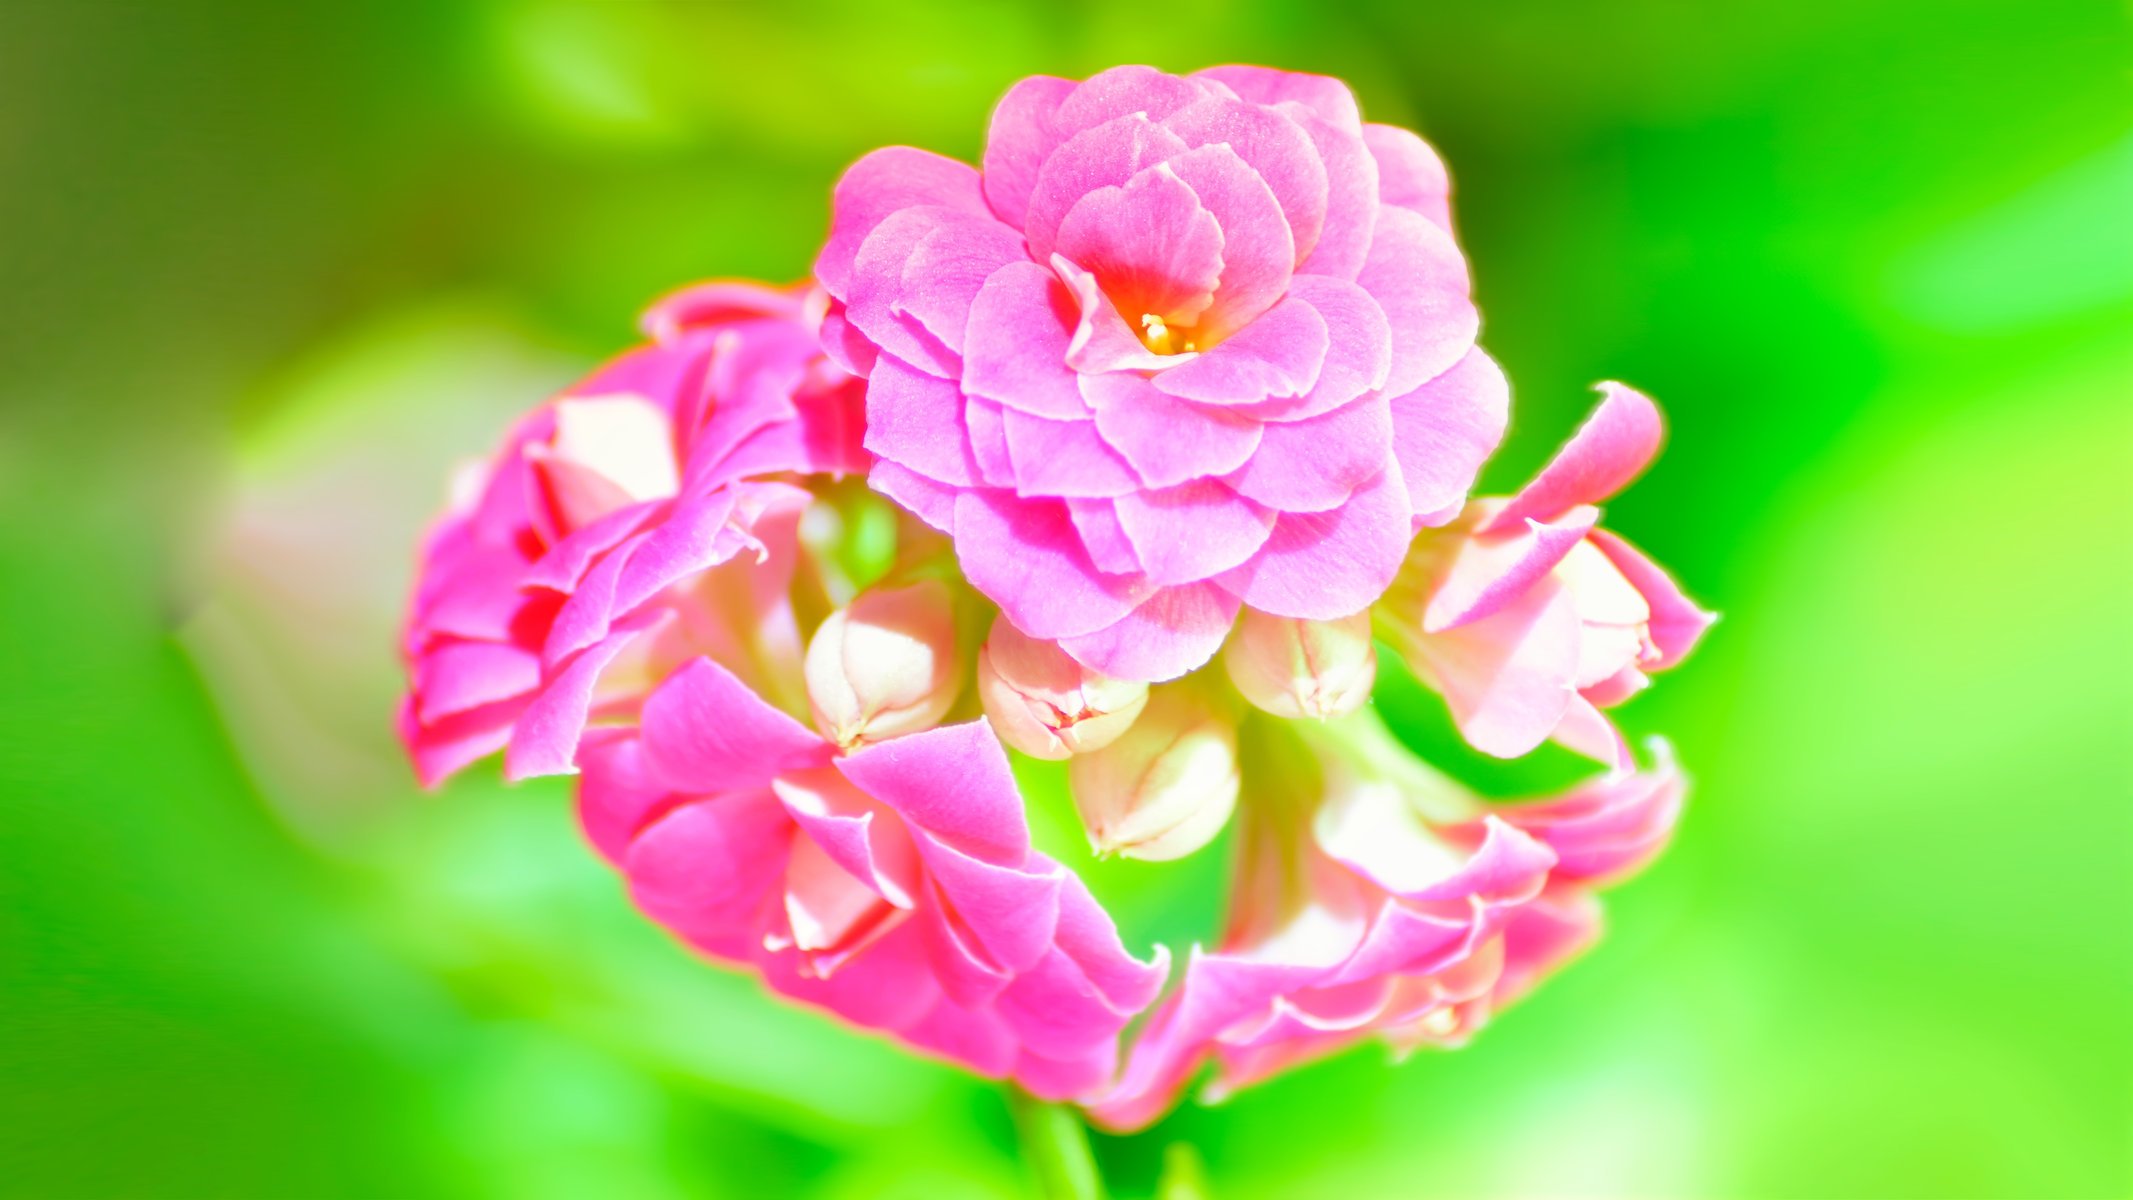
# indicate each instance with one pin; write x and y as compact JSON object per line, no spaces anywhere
{"x":546,"y":595}
{"x":1186,"y":344}
{"x":1530,"y":619}
{"x":1166,"y":786}
{"x":1409,"y":912}
{"x":1302,"y":669}
{"x":1045,"y":704}
{"x":885,"y":664}
{"x":894,"y":886}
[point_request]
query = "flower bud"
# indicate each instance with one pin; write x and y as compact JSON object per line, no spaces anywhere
{"x":1294,"y":668}
{"x":1045,"y":704}
{"x":883,"y":665}
{"x":1166,"y":787}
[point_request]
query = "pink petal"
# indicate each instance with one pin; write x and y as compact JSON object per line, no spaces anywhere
{"x":1026,"y":557}
{"x":1258,"y":249}
{"x":1351,"y":197}
{"x":1102,"y":535}
{"x":1168,"y":441}
{"x":1104,"y":156}
{"x":1274,"y":147}
{"x":1322,"y":566}
{"x":883,"y":183}
{"x":1277,"y":355}
{"x":1064,"y":458}
{"x":953,"y":784}
{"x":943,"y":275}
{"x":1587,"y":730}
{"x":1187,"y":533}
{"x":444,"y":747}
{"x":1149,"y":243}
{"x":717,"y":302}
{"x":1313,"y":465}
{"x":1024,"y":132}
{"x":1612,"y":447}
{"x":929,"y":500}
{"x":1359,"y":351}
{"x":1417,"y":276}
{"x":1676,"y":622}
{"x":455,"y":676}
{"x":617,"y":794}
{"x":987,"y":425}
{"x":1444,"y":430}
{"x":874,"y":303}
{"x":1016,"y":349}
{"x":1506,"y":678}
{"x":710,"y":868}
{"x":1489,"y":572}
{"x":1102,"y":340}
{"x":1087,"y":935}
{"x":545,"y":739}
{"x":916,"y":421}
{"x":1410,"y":175}
{"x":1006,"y":911}
{"x":1322,"y":94}
{"x":1121,"y":91}
{"x":1173,"y":632}
{"x":706,"y":732}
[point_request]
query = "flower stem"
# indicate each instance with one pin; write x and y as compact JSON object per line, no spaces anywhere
{"x":1055,"y":1145}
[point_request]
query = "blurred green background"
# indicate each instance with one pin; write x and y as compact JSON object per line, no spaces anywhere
{"x":269,"y":270}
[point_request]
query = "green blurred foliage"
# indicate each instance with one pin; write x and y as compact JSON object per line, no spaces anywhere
{"x":270,"y":269}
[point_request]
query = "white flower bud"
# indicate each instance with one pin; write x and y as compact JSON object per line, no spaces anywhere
{"x":1163,"y":789}
{"x":883,"y":665}
{"x":1292,"y":668}
{"x":1045,"y":704}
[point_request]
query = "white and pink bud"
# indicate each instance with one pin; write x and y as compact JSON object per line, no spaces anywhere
{"x":884,"y":665}
{"x":1294,"y":668}
{"x":1166,"y":786}
{"x":607,"y":452}
{"x":1045,"y":704}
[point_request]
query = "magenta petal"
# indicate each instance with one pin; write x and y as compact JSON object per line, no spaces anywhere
{"x":1507,"y":678}
{"x":1173,"y":632}
{"x":1612,"y":447}
{"x":1444,"y":430}
{"x":1279,"y":354}
{"x":1258,"y":248}
{"x":952,"y":782}
{"x":1024,"y":132}
{"x":882,"y":183}
{"x":1274,"y":146}
{"x":1187,"y":533}
{"x":1322,"y":566}
{"x":545,"y":739}
{"x":1322,"y":94}
{"x":1676,"y":622}
{"x":1490,"y":572}
{"x":1016,"y":348}
{"x":1105,"y":156}
{"x":1316,"y":464}
{"x":716,"y":302}
{"x":929,"y":500}
{"x":916,"y":421}
{"x":1154,"y":248}
{"x":1416,"y":274}
{"x":1168,"y":441}
{"x":1064,"y":458}
{"x":1102,"y":535}
{"x":709,"y":868}
{"x":616,"y":793}
{"x":444,"y":747}
{"x":706,"y":732}
{"x":1026,"y":557}
{"x":942,"y":276}
{"x":1410,"y":175}
{"x":455,"y":676}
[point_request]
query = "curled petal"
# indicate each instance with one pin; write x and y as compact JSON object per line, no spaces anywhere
{"x":1610,"y":449}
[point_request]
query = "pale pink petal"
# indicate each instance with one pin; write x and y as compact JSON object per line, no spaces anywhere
{"x":1258,"y":249}
{"x":1606,"y":828}
{"x":1416,"y":274}
{"x":1585,"y":729}
{"x":1171,"y":633}
{"x":1612,"y":447}
{"x":1193,"y":531}
{"x":883,"y":183}
{"x":1676,"y":622}
{"x":1277,"y":355}
{"x":1016,"y":350}
{"x":1104,"y":156}
{"x":1444,"y":430}
{"x":1024,"y":132}
{"x":1316,"y":464}
{"x":1410,"y":175}
{"x":1489,"y":573}
{"x":1168,"y":441}
{"x":1323,"y":566}
{"x":1506,"y":678}
{"x":705,"y":731}
{"x":1273,"y":146}
{"x":1150,"y":244}
{"x":1026,"y":557}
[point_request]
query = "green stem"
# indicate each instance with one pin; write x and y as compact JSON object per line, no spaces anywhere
{"x":1055,"y":1144}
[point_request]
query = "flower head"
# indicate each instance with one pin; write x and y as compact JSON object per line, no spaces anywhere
{"x":1185,"y":344}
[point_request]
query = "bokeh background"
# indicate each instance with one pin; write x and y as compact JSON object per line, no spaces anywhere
{"x":269,"y":269}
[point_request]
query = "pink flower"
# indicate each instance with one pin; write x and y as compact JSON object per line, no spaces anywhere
{"x":1187,"y":344}
{"x":894,"y":886}
{"x":1410,"y":912}
{"x":557,"y":587}
{"x":1530,"y":619}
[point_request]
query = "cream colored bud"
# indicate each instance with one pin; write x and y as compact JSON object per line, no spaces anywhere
{"x":884,"y":665}
{"x":1292,"y":668}
{"x":1045,"y":704}
{"x":1163,"y":789}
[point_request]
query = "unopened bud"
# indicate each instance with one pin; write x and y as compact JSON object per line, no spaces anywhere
{"x":883,"y":665}
{"x":1045,"y":704}
{"x":1292,"y":668}
{"x":1163,"y":789}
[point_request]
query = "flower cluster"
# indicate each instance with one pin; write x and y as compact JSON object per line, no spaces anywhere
{"x":1185,"y":370}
